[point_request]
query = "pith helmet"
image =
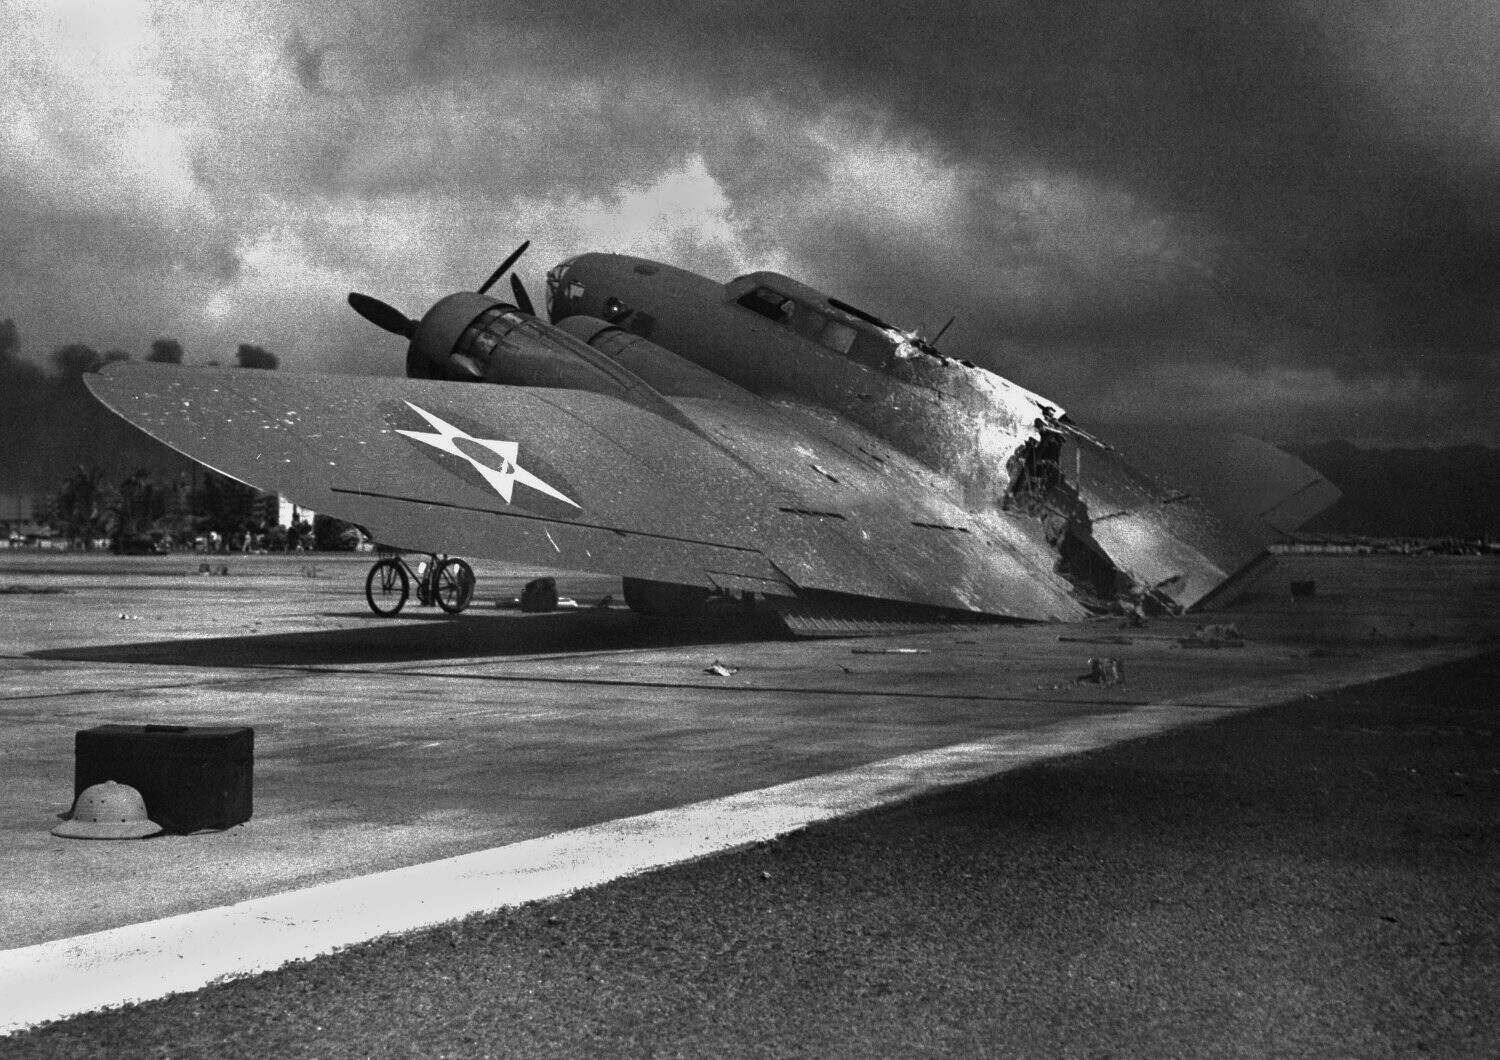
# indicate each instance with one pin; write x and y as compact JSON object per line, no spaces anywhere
{"x":108,"y":811}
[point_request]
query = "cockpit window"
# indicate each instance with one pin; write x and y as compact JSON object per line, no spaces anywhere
{"x":805,"y":320}
{"x":768,"y":304}
{"x":820,"y":325}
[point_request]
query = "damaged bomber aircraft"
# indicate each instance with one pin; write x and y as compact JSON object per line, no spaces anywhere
{"x":755,"y":437}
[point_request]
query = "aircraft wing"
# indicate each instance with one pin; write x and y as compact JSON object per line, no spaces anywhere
{"x":583,"y":481}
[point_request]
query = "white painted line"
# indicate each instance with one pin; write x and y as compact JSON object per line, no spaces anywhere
{"x":139,"y":962}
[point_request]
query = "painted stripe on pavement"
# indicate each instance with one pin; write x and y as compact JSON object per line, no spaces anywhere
{"x":139,"y":962}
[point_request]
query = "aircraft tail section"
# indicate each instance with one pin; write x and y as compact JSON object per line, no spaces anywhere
{"x":1182,"y":512}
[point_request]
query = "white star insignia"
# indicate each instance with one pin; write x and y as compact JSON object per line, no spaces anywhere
{"x":502,"y":478}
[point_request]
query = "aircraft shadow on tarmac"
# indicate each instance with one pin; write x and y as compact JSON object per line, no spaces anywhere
{"x":433,"y":638}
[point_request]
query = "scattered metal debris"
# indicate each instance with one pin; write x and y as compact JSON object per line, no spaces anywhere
{"x":891,"y":651}
{"x":1215,"y":636}
{"x":719,"y":669}
{"x":1103,"y":671}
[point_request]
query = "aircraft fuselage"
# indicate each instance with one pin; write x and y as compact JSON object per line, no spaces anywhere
{"x":783,"y":341}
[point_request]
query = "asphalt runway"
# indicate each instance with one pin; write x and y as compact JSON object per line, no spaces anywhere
{"x":1318,"y":879}
{"x":383,"y":744}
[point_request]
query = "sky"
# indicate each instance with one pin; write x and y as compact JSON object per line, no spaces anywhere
{"x":1280,"y":216}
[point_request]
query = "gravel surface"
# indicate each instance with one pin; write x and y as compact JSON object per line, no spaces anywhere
{"x":1317,"y":879}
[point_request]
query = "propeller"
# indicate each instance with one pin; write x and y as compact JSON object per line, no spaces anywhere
{"x":386,"y":317}
{"x":504,"y":265}
{"x":430,"y":357}
{"x":523,"y":300}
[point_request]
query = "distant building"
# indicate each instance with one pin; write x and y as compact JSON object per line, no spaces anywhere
{"x":18,"y":525}
{"x":275,"y":510}
{"x":17,"y":507}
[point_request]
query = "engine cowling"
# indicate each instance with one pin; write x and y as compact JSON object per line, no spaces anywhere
{"x":469,"y":337}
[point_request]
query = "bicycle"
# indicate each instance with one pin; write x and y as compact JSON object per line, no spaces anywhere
{"x":443,"y":580}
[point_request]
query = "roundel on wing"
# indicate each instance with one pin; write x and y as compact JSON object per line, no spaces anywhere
{"x":502,"y":466}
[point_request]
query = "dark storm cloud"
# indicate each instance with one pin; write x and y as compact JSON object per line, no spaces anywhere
{"x":1267,"y":213}
{"x":1334,"y":237}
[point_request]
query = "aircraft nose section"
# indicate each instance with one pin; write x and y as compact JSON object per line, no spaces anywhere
{"x":563,"y":291}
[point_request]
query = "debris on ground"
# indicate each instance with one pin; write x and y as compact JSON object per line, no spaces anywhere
{"x":1103,"y":671}
{"x":892,"y":651}
{"x":539,"y":595}
{"x":1095,"y":640}
{"x":718,"y":669}
{"x":1134,"y":609}
{"x":1215,"y":636}
{"x":566,"y":602}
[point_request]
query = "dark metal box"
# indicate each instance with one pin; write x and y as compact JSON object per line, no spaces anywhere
{"x":191,"y":777}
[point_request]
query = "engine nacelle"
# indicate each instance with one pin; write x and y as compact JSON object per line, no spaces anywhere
{"x":468,"y":337}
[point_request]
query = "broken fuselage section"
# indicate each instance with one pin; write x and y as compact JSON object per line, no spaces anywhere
{"x":1004,"y":456}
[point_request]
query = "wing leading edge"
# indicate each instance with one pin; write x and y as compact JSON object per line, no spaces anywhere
{"x":570,"y":479}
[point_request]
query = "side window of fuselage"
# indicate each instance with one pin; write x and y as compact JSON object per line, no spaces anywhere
{"x":818,"y":325}
{"x":814,"y":324}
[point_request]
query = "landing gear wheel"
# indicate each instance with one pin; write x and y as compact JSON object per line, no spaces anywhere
{"x":453,"y":585}
{"x":386,"y":587}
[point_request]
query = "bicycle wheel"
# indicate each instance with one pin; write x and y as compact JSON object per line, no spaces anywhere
{"x":386,"y":587}
{"x":454,"y":585}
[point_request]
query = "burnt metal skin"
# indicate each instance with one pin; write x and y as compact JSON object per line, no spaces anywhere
{"x":747,"y":456}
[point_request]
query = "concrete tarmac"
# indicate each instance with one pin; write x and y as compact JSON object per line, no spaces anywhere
{"x":391,"y":742}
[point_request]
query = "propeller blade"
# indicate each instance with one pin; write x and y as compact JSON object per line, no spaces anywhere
{"x":386,"y":317}
{"x":507,"y":263}
{"x":523,"y":300}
